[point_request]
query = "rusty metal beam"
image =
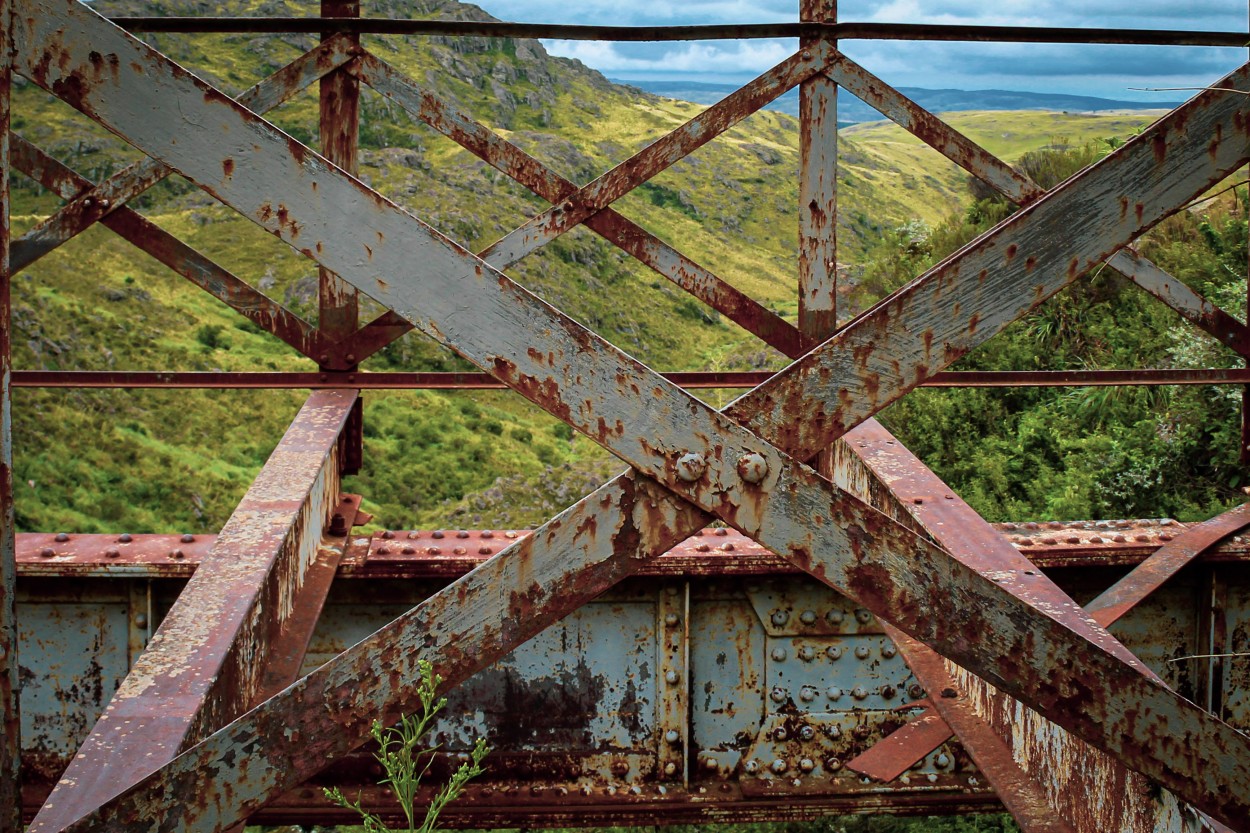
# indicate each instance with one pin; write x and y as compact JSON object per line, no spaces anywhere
{"x":692,"y":379}
{"x":800,"y":485}
{"x":207,"y":662}
{"x":94,"y":202}
{"x":1150,"y":575}
{"x":475,"y":137}
{"x":896,"y":753}
{"x":10,"y":723}
{"x":818,"y":187}
{"x":169,"y":250}
{"x":656,"y":157}
{"x":844,"y":31}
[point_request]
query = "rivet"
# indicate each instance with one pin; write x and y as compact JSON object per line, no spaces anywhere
{"x":807,"y":733}
{"x":807,"y":653}
{"x":835,"y":617}
{"x":859,"y":692}
{"x":462,"y":534}
{"x":834,"y":731}
{"x":948,"y":693}
{"x":188,"y":538}
{"x":950,"y":497}
{"x":779,"y":766}
{"x":670,"y":619}
{"x":780,"y":617}
{"x":888,"y":650}
{"x":488,"y":534}
{"x":484,"y":550}
{"x":861,"y":652}
{"x":387,"y":534}
{"x":409,"y":550}
{"x":726,"y":547}
{"x":863,"y":616}
{"x":620,"y":768}
{"x":779,"y":654}
{"x":780,"y":733}
{"x":112,"y":552}
{"x":414,"y":535}
{"x":703,"y":548}
{"x":808,"y":617}
{"x":61,"y":537}
{"x":807,"y":765}
{"x":863,"y":730}
{"x":931,"y":778}
{"x":125,"y":538}
{"x":691,"y":466}
{"x":807,"y":694}
{"x":509,"y":534}
{"x":888,"y":692}
{"x":459,"y":551}
{"x":973,"y":781}
{"x":752,"y":766}
{"x":672,"y":736}
{"x":433,"y":551}
{"x":915,"y":691}
{"x":536,"y":790}
{"x":670,"y":677}
{"x":833,"y":764}
{"x":833,"y":693}
{"x":175,"y":554}
{"x":917,"y":500}
{"x":635,"y":790}
{"x":778,"y":694}
{"x":438,"y":533}
{"x":141,"y":620}
{"x":670,"y":769}
{"x":384,"y":550}
{"x":834,"y":652}
{"x":47,"y":552}
{"x":753,"y":467}
{"x":942,"y":761}
{"x":1096,"y":539}
{"x":721,"y":531}
{"x":670,"y":590}
{"x":709,"y":763}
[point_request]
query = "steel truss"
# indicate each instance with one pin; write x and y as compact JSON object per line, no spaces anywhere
{"x":214,"y":723}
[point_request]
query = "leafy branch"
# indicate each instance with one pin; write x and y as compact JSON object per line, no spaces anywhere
{"x":406,"y":761}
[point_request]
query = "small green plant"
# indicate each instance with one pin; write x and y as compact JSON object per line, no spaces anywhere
{"x":405,"y":762}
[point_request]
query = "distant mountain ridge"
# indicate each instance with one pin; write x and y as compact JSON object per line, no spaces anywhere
{"x":852,"y":110}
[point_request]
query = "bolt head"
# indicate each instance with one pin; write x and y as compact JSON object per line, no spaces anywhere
{"x":863,"y":616}
{"x":807,"y":695}
{"x":835,"y":617}
{"x":808,"y":617}
{"x":780,"y":733}
{"x":859,"y":692}
{"x":47,"y":552}
{"x":61,"y":537}
{"x":807,"y":764}
{"x":888,"y":692}
{"x":670,"y":677}
{"x":807,"y":733}
{"x":833,"y":692}
{"x":112,"y":552}
{"x":833,"y":764}
{"x":691,"y":466}
{"x":888,"y":650}
{"x":778,"y":694}
{"x":753,"y":467}
{"x":752,"y":766}
{"x":670,"y":769}
{"x":779,"y":654}
{"x":861,"y":652}
{"x":670,"y":619}
{"x":780,"y":617}
{"x":672,"y":736}
{"x":188,"y":538}
{"x":779,"y":766}
{"x":915,"y":691}
{"x":807,"y":653}
{"x":942,"y":761}
{"x":834,"y":652}
{"x":709,"y":763}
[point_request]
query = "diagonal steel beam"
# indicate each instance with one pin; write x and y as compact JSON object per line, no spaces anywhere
{"x":173,"y":253}
{"x":575,"y":356}
{"x":475,"y":137}
{"x":1021,"y":190}
{"x":98,"y":201}
{"x":207,"y":662}
{"x":660,"y":154}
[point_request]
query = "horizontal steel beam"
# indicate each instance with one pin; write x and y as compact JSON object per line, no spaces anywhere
{"x":840,"y":31}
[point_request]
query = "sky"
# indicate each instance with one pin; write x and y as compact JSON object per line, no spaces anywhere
{"x":1106,"y":71}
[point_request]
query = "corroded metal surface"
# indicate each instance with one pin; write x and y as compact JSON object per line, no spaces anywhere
{"x":207,"y":662}
{"x":818,"y":188}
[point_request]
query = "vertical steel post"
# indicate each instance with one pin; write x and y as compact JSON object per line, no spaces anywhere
{"x":339,"y":313}
{"x":10,"y":745}
{"x":818,"y":190}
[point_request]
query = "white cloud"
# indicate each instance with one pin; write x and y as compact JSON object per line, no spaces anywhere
{"x":725,"y":58}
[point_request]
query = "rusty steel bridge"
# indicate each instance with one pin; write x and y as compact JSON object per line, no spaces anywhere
{"x":852,"y":638}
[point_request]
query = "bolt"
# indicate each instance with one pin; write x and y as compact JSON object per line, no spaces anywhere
{"x":752,"y":766}
{"x":188,"y":538}
{"x":709,"y":763}
{"x":409,"y":550}
{"x":833,"y":764}
{"x":807,"y":765}
{"x":691,"y":466}
{"x":835,"y":617}
{"x":931,"y":778}
{"x":125,"y":538}
{"x":753,"y":467}
{"x":807,"y":694}
{"x":833,"y":692}
{"x":915,"y":691}
{"x":670,"y":769}
{"x":834,"y":731}
{"x":834,"y":652}
{"x":780,"y":617}
{"x":888,"y":650}
{"x":484,"y":550}
{"x":859,"y":692}
{"x":888,"y":692}
{"x":384,"y":550}
{"x":807,"y":653}
{"x":47,"y":552}
{"x":141,"y":620}
{"x":861,"y":652}
{"x":780,"y":733}
{"x":863,"y":616}
{"x":388,"y":535}
{"x":61,"y":537}
{"x":808,"y":617}
{"x":670,"y":677}
{"x":338,"y":525}
{"x":433,"y":551}
{"x":438,"y":533}
{"x":779,"y":654}
{"x":462,"y":534}
{"x":779,"y":766}
{"x":807,"y":733}
{"x":176,"y":554}
{"x":672,"y":736}
{"x":488,"y":534}
{"x":105,"y":203}
{"x":779,"y":694}
{"x":112,"y":552}
{"x":942,"y":761}
{"x":670,"y":619}
{"x":635,"y":790}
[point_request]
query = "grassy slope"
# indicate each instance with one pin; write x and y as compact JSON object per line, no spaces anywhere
{"x":179,"y":460}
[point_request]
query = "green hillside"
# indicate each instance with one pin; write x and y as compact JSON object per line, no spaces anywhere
{"x":179,"y":460}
